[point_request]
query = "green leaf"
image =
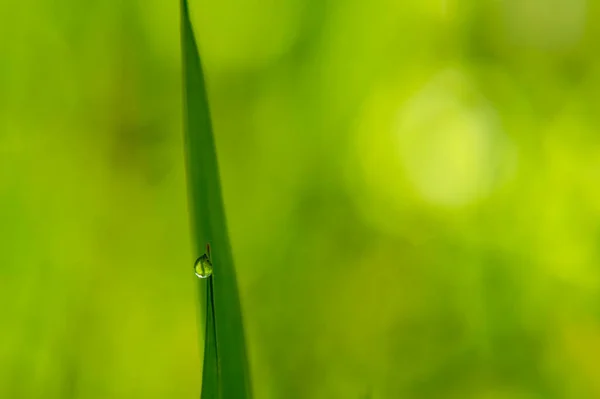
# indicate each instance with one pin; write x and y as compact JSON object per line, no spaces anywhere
{"x":226,"y":371}
{"x":210,"y":376}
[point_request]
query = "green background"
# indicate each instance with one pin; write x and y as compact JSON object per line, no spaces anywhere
{"x":412,"y":188}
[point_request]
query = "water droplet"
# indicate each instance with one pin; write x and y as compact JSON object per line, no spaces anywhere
{"x":203,"y":267}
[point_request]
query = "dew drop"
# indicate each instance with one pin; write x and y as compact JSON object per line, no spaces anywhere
{"x":203,"y":267}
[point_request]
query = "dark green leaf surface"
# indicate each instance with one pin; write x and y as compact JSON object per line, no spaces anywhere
{"x":210,"y":376}
{"x":225,"y":373}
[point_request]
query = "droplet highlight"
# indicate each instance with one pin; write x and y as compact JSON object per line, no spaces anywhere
{"x":203,"y":267}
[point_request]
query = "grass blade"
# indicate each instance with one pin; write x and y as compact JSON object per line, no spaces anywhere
{"x":225,"y":374}
{"x":210,"y":370}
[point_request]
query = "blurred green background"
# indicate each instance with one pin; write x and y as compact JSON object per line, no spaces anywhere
{"x":412,"y":188}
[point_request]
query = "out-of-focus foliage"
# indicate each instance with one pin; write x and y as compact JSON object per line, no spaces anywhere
{"x":412,"y":189}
